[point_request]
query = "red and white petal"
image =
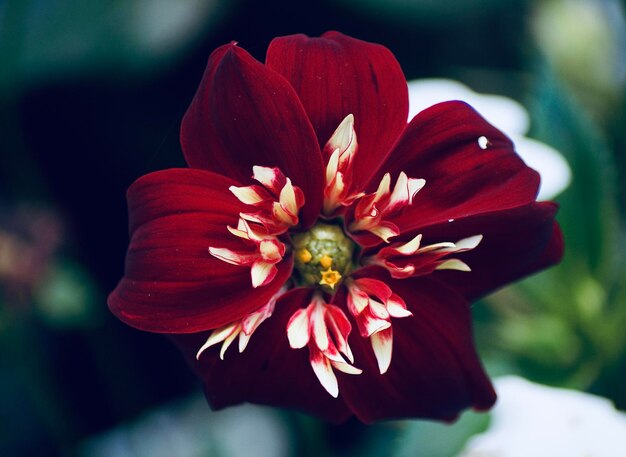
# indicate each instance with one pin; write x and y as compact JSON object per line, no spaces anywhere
{"x":369,"y":324}
{"x":404,"y":260}
{"x":467,"y":244}
{"x":262,"y":273}
{"x":340,"y":151}
{"x":233,"y":257}
{"x":385,"y":230}
{"x":172,"y":284}
{"x":453,"y":264}
{"x":218,"y":336}
{"x":434,"y":372}
{"x":242,"y":329}
{"x":326,"y":330}
{"x":319,"y":330}
{"x":323,"y":371}
{"x":384,"y":187}
{"x":264,"y":251}
{"x":375,"y":212}
{"x":271,"y":250}
{"x":228,"y":341}
{"x":343,"y":141}
{"x":288,"y":199}
{"x":346,"y":368}
{"x":378,"y":309}
{"x":442,"y":141}
{"x":249,"y":195}
{"x":357,"y":300}
{"x":382,"y":345}
{"x":374,"y":287}
{"x":244,"y":114}
{"x":252,"y":321}
{"x":408,"y":248}
{"x":397,"y":307}
{"x":271,"y":177}
{"x":268,"y":372}
{"x":404,"y":191}
{"x":359,"y":78}
{"x":298,"y":329}
{"x":339,"y":327}
{"x":278,"y":205}
{"x":516,"y":243}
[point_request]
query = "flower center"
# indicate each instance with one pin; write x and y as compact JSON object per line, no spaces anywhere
{"x":323,"y":256}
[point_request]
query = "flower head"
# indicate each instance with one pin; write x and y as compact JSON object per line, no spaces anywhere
{"x":340,"y":245}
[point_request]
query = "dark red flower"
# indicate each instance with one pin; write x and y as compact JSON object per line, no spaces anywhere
{"x":358,"y":236}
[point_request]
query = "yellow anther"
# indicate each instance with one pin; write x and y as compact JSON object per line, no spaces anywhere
{"x":304,"y":255}
{"x":326,"y":261}
{"x":330,"y":278}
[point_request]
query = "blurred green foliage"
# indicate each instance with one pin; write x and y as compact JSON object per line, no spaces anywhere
{"x":565,"y":326}
{"x":51,"y":39}
{"x":432,"y":439}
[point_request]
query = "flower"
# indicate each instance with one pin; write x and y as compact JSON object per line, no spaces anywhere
{"x":508,"y":116}
{"x":537,"y":420}
{"x":338,"y":245}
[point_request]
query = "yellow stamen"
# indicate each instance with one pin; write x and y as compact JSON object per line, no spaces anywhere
{"x":330,"y":278}
{"x":326,"y":261}
{"x":304,"y":255}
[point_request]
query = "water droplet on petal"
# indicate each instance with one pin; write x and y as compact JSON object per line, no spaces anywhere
{"x":450,"y":220}
{"x":483,"y":142}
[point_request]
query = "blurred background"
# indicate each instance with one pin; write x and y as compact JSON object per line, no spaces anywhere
{"x":91,"y":97}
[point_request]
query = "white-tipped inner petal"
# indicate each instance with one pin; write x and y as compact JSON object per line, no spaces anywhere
{"x":397,"y":308}
{"x":232,"y":257}
{"x":228,"y":341}
{"x":262,"y":273}
{"x":400,"y":192}
{"x":346,"y":368}
{"x":247,"y":195}
{"x":411,"y":247}
{"x":415,"y":185}
{"x":385,"y":231}
{"x":266,"y":176}
{"x":217,"y":336}
{"x":298,"y":329}
{"x":453,"y":264}
{"x":324,"y":372}
{"x":382,"y":344}
{"x":344,"y":134}
{"x":320,"y":332}
{"x":383,"y":187}
{"x":467,"y":244}
{"x":288,"y":198}
{"x":271,"y":250}
{"x":332,"y":167}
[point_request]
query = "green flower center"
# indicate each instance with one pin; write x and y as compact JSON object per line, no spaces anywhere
{"x":323,"y":255}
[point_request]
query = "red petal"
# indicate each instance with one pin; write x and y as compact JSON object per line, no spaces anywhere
{"x":515,"y":243}
{"x":336,"y":75}
{"x":268,"y":372}
{"x":462,"y":179}
{"x":171,"y":283}
{"x":434,"y":372}
{"x":245,"y":114}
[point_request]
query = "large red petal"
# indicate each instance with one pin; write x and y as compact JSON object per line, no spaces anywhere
{"x":171,"y":282}
{"x":434,"y":372}
{"x":441,"y":145}
{"x":336,"y":75}
{"x":245,"y":114}
{"x":515,"y":243}
{"x":268,"y":371}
